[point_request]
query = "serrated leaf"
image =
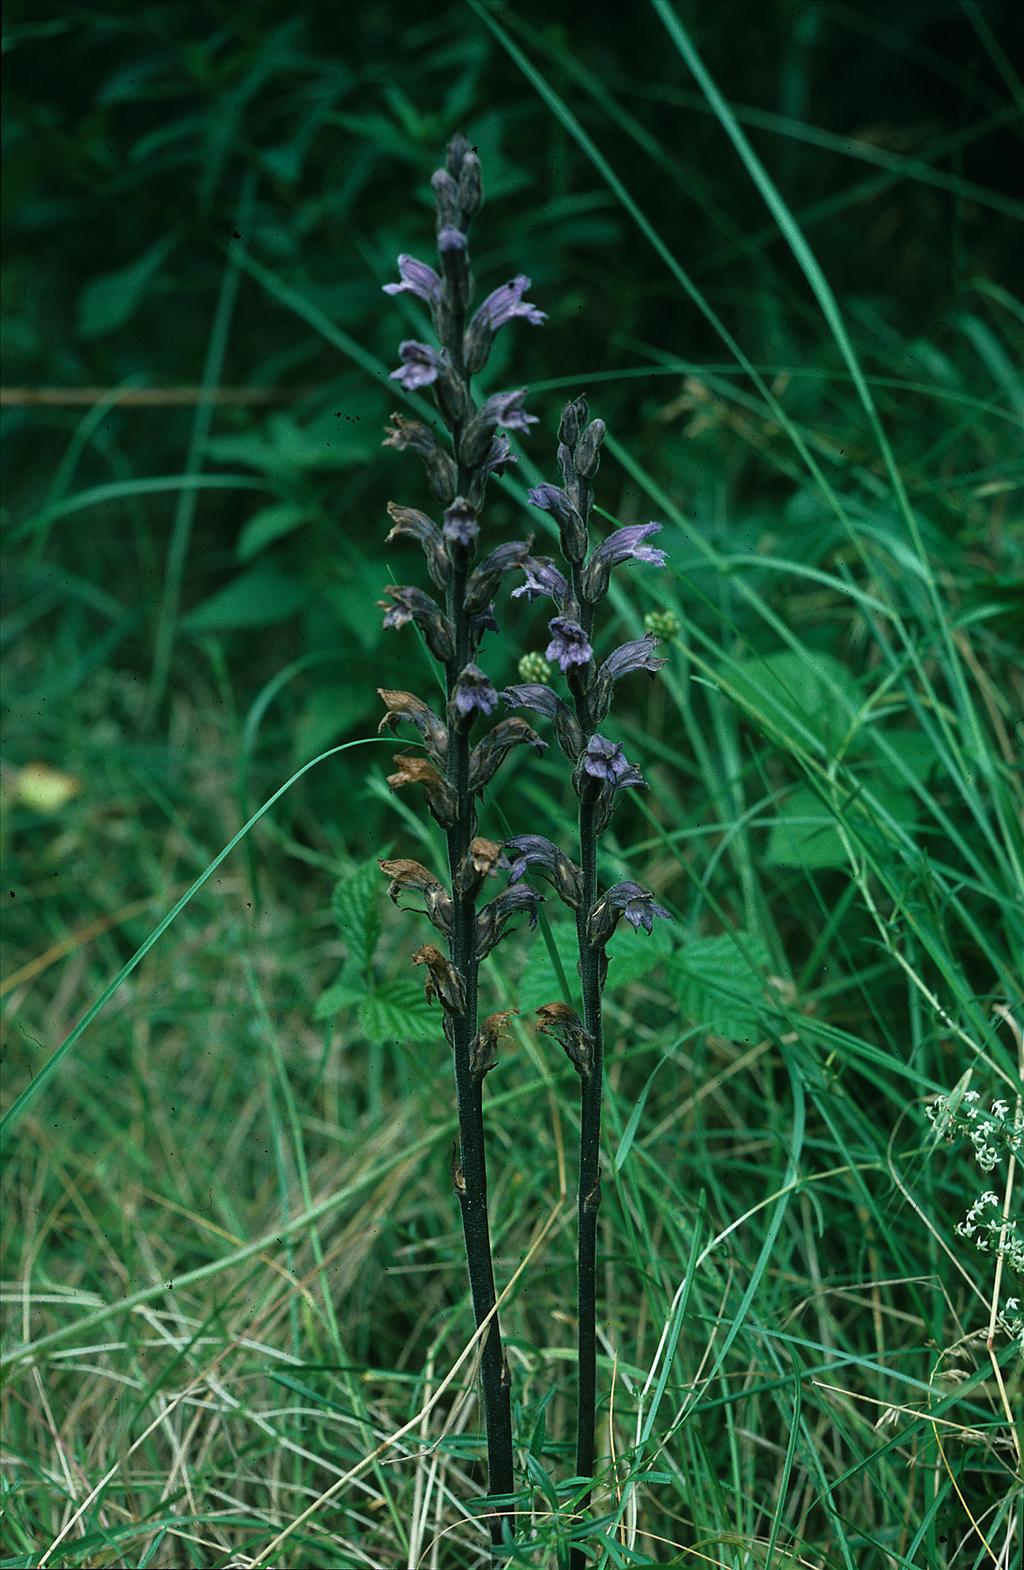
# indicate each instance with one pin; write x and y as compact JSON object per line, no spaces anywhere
{"x":268,"y":525}
{"x":399,"y":1012}
{"x":719,"y":982}
{"x":540,"y":982}
{"x":109,"y":301}
{"x":633,"y":954}
{"x":792,"y":696}
{"x":355,"y":905}
{"x":346,"y":992}
{"x":256,"y":598}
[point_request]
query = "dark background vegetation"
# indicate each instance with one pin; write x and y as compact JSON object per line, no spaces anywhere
{"x":202,"y":195}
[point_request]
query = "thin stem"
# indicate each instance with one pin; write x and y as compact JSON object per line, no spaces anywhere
{"x":589,"y":1196}
{"x":470,"y":1170}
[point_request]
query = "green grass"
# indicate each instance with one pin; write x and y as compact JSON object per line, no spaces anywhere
{"x":237,"y":1326}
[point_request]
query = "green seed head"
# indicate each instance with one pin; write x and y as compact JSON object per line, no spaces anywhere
{"x":534,"y":667}
{"x":663,"y":624}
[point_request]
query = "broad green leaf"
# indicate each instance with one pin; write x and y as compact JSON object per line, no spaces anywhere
{"x":109,"y":301}
{"x":346,"y":992}
{"x":399,"y":1012}
{"x":355,"y":904}
{"x":256,"y":598}
{"x":791,"y":695}
{"x":719,"y":982}
{"x":805,"y":835}
{"x":540,"y":983}
{"x":328,"y":713}
{"x":268,"y":525}
{"x":634,"y":954}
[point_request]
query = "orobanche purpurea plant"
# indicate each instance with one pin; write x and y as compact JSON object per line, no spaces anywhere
{"x":453,"y":770}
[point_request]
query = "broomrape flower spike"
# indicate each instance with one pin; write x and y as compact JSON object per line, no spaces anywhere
{"x":600,"y":771}
{"x":452,"y":771}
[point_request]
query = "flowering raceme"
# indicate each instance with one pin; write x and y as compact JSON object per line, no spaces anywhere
{"x":463,"y":747}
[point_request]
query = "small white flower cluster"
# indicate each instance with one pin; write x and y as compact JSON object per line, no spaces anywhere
{"x":992,"y":1134}
{"x":1013,"y":1319}
{"x":984,"y":1223}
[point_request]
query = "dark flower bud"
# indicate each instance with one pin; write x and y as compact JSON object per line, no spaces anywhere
{"x":483,"y":621}
{"x":499,"y":409}
{"x":414,"y":436}
{"x":413,"y":769}
{"x":460,"y":525}
{"x":637,"y":655}
{"x":484,"y":578}
{"x":455,"y":154}
{"x":626,"y":544}
{"x":564,"y":1025}
{"x":413,"y":876}
{"x":482,"y":860}
{"x":409,"y":521}
{"x":472,"y":694}
{"x":571,"y":526}
{"x":494,"y":919}
{"x":490,"y":753}
{"x":446,"y":198}
{"x":578,"y":489}
{"x":535,"y":852}
{"x":574,"y":417}
{"x":587,"y":456}
{"x":451,"y":246}
{"x":499,"y":455}
{"x":631,"y":900}
{"x":406,"y":706}
{"x":471,"y":191}
{"x":412,"y":604}
{"x":541,"y":699}
{"x":442,"y":981}
{"x":483,"y":1054}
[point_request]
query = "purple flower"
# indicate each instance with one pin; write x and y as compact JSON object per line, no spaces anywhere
{"x":533,"y":850}
{"x":569,"y":643}
{"x":605,"y":760}
{"x":533,"y":695}
{"x":418,"y":279}
{"x":542,"y":578}
{"x":624,"y":545}
{"x":507,"y":302}
{"x":549,"y":498}
{"x":631,"y":900}
{"x":420,"y":365}
{"x":473,"y":694}
{"x":460,"y":523}
{"x":507,"y":409}
{"x":637,"y":904}
{"x":637,"y":655}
